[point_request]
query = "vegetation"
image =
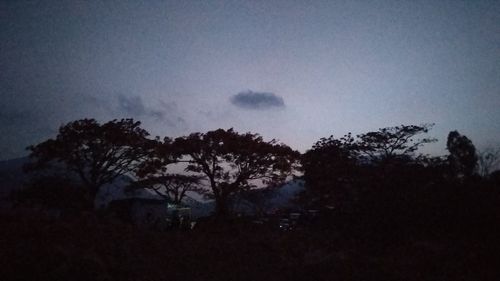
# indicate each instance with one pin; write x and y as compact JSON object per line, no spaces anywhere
{"x":388,"y":144}
{"x":233,"y":162}
{"x":488,"y":160}
{"x":153,"y":174}
{"x":462,"y":158}
{"x":97,"y":153}
{"x":385,"y":212}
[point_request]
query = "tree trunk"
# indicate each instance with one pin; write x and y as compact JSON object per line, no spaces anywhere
{"x":92,"y":193}
{"x":221,"y":206}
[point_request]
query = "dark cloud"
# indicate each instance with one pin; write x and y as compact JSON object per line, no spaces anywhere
{"x":257,"y":100}
{"x":165,"y":112}
{"x":134,"y":106}
{"x":173,"y":119}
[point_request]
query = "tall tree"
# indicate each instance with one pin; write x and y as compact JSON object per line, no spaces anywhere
{"x":462,"y":157}
{"x":342,"y":171}
{"x":391,"y":156}
{"x":232,"y":162}
{"x":393,"y":143}
{"x":329,"y":167}
{"x":97,"y":153}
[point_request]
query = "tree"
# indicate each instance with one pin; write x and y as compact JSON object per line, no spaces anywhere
{"x":97,"y":153}
{"x":170,"y":186}
{"x":153,"y":174}
{"x":391,"y":143}
{"x":391,"y":159}
{"x":329,"y":167}
{"x":462,"y":158}
{"x":346,"y":170}
{"x":232,"y":162}
{"x":488,"y":160}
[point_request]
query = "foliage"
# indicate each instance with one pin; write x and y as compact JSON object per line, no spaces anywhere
{"x":97,"y":153}
{"x":328,"y":167}
{"x":462,"y":158}
{"x":232,"y":162}
{"x":152,"y":174}
{"x":415,"y":220}
{"x":339,"y":171}
{"x":488,"y":160}
{"x":393,"y":142}
{"x":170,"y":186}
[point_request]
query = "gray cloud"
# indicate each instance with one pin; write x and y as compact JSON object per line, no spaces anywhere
{"x":165,"y":112}
{"x":173,"y":119}
{"x":134,"y":106}
{"x":257,"y":100}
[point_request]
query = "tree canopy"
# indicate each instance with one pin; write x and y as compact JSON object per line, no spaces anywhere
{"x":153,"y":174}
{"x":462,"y":158}
{"x":393,"y":142}
{"x":488,"y":160}
{"x":97,"y":153}
{"x":330,"y":163}
{"x":337,"y":171}
{"x":232,"y":162}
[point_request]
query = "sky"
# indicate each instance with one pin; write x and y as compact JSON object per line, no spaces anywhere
{"x":288,"y":70}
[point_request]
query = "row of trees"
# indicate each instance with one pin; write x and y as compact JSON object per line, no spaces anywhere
{"x":218,"y":163}
{"x":376,"y":169}
{"x":222,"y":163}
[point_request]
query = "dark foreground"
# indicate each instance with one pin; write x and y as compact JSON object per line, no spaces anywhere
{"x":35,"y":247}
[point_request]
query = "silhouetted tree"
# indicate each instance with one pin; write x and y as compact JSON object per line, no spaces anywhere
{"x":153,"y":175}
{"x":488,"y":160}
{"x":462,"y":158}
{"x":97,"y":153}
{"x":171,"y":186}
{"x":344,"y":171}
{"x":329,"y":167}
{"x":392,"y":143}
{"x":232,"y":162}
{"x":394,"y":169}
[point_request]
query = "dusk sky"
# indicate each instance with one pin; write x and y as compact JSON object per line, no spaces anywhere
{"x":289,"y":70}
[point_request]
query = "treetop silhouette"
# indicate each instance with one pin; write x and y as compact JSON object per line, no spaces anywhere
{"x":393,"y":142}
{"x":232,"y":162}
{"x":97,"y":153}
{"x":462,"y":158}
